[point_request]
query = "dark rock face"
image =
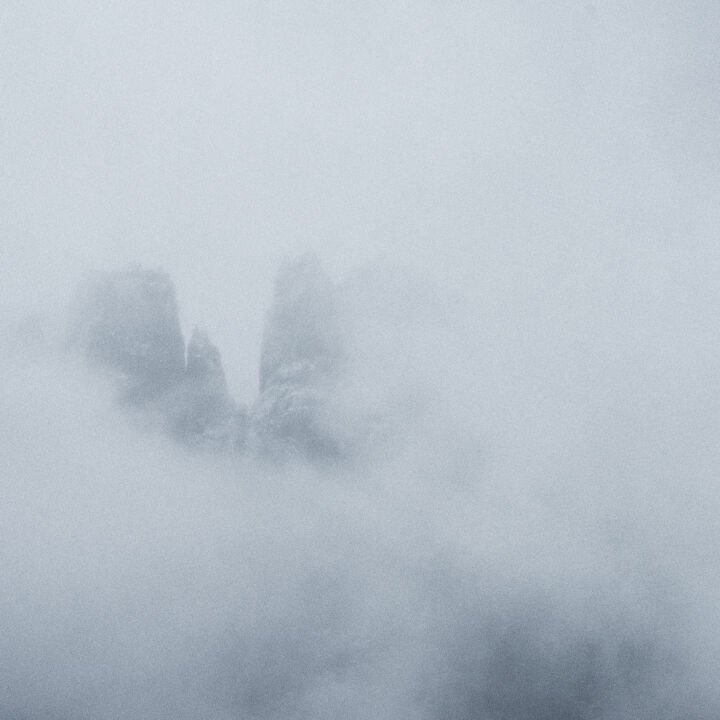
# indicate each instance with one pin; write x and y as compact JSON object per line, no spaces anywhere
{"x":302,"y":341}
{"x":302,"y":356}
{"x":127,"y":324}
{"x":203,"y":364}
{"x":288,"y":421}
{"x":201,"y":410}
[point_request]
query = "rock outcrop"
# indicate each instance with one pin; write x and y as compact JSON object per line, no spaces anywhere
{"x":302,"y":357}
{"x":126,"y":325}
{"x":201,"y":410}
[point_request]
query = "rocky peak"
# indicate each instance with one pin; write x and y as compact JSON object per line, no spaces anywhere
{"x":127,"y":323}
{"x":204,"y":365}
{"x":302,"y":354}
{"x":301,"y":341}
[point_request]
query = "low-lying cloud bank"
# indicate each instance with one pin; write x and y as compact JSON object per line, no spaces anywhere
{"x":437,"y":540}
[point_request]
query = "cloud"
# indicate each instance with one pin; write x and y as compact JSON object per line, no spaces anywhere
{"x":516,"y":205}
{"x":486,"y":566}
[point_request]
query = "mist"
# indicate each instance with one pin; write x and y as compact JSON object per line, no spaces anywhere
{"x":459,"y":461}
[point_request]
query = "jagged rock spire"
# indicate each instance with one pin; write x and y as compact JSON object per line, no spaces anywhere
{"x":127,"y":323}
{"x":203,"y":364}
{"x":202,"y":412}
{"x":302,"y":340}
{"x":302,"y":354}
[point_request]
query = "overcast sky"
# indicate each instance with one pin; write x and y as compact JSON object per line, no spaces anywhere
{"x":536,"y":189}
{"x":513,"y":150}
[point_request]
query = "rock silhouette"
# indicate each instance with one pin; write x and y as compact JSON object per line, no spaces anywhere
{"x":126,"y":324}
{"x":301,"y":360}
{"x":202,"y":411}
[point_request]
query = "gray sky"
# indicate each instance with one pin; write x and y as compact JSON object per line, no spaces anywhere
{"x":543,"y":179}
{"x":516,"y":151}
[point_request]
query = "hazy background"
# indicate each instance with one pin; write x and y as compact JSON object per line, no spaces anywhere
{"x":522,"y":199}
{"x":530,"y":155}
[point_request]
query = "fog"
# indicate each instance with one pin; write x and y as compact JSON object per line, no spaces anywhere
{"x":460,"y":461}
